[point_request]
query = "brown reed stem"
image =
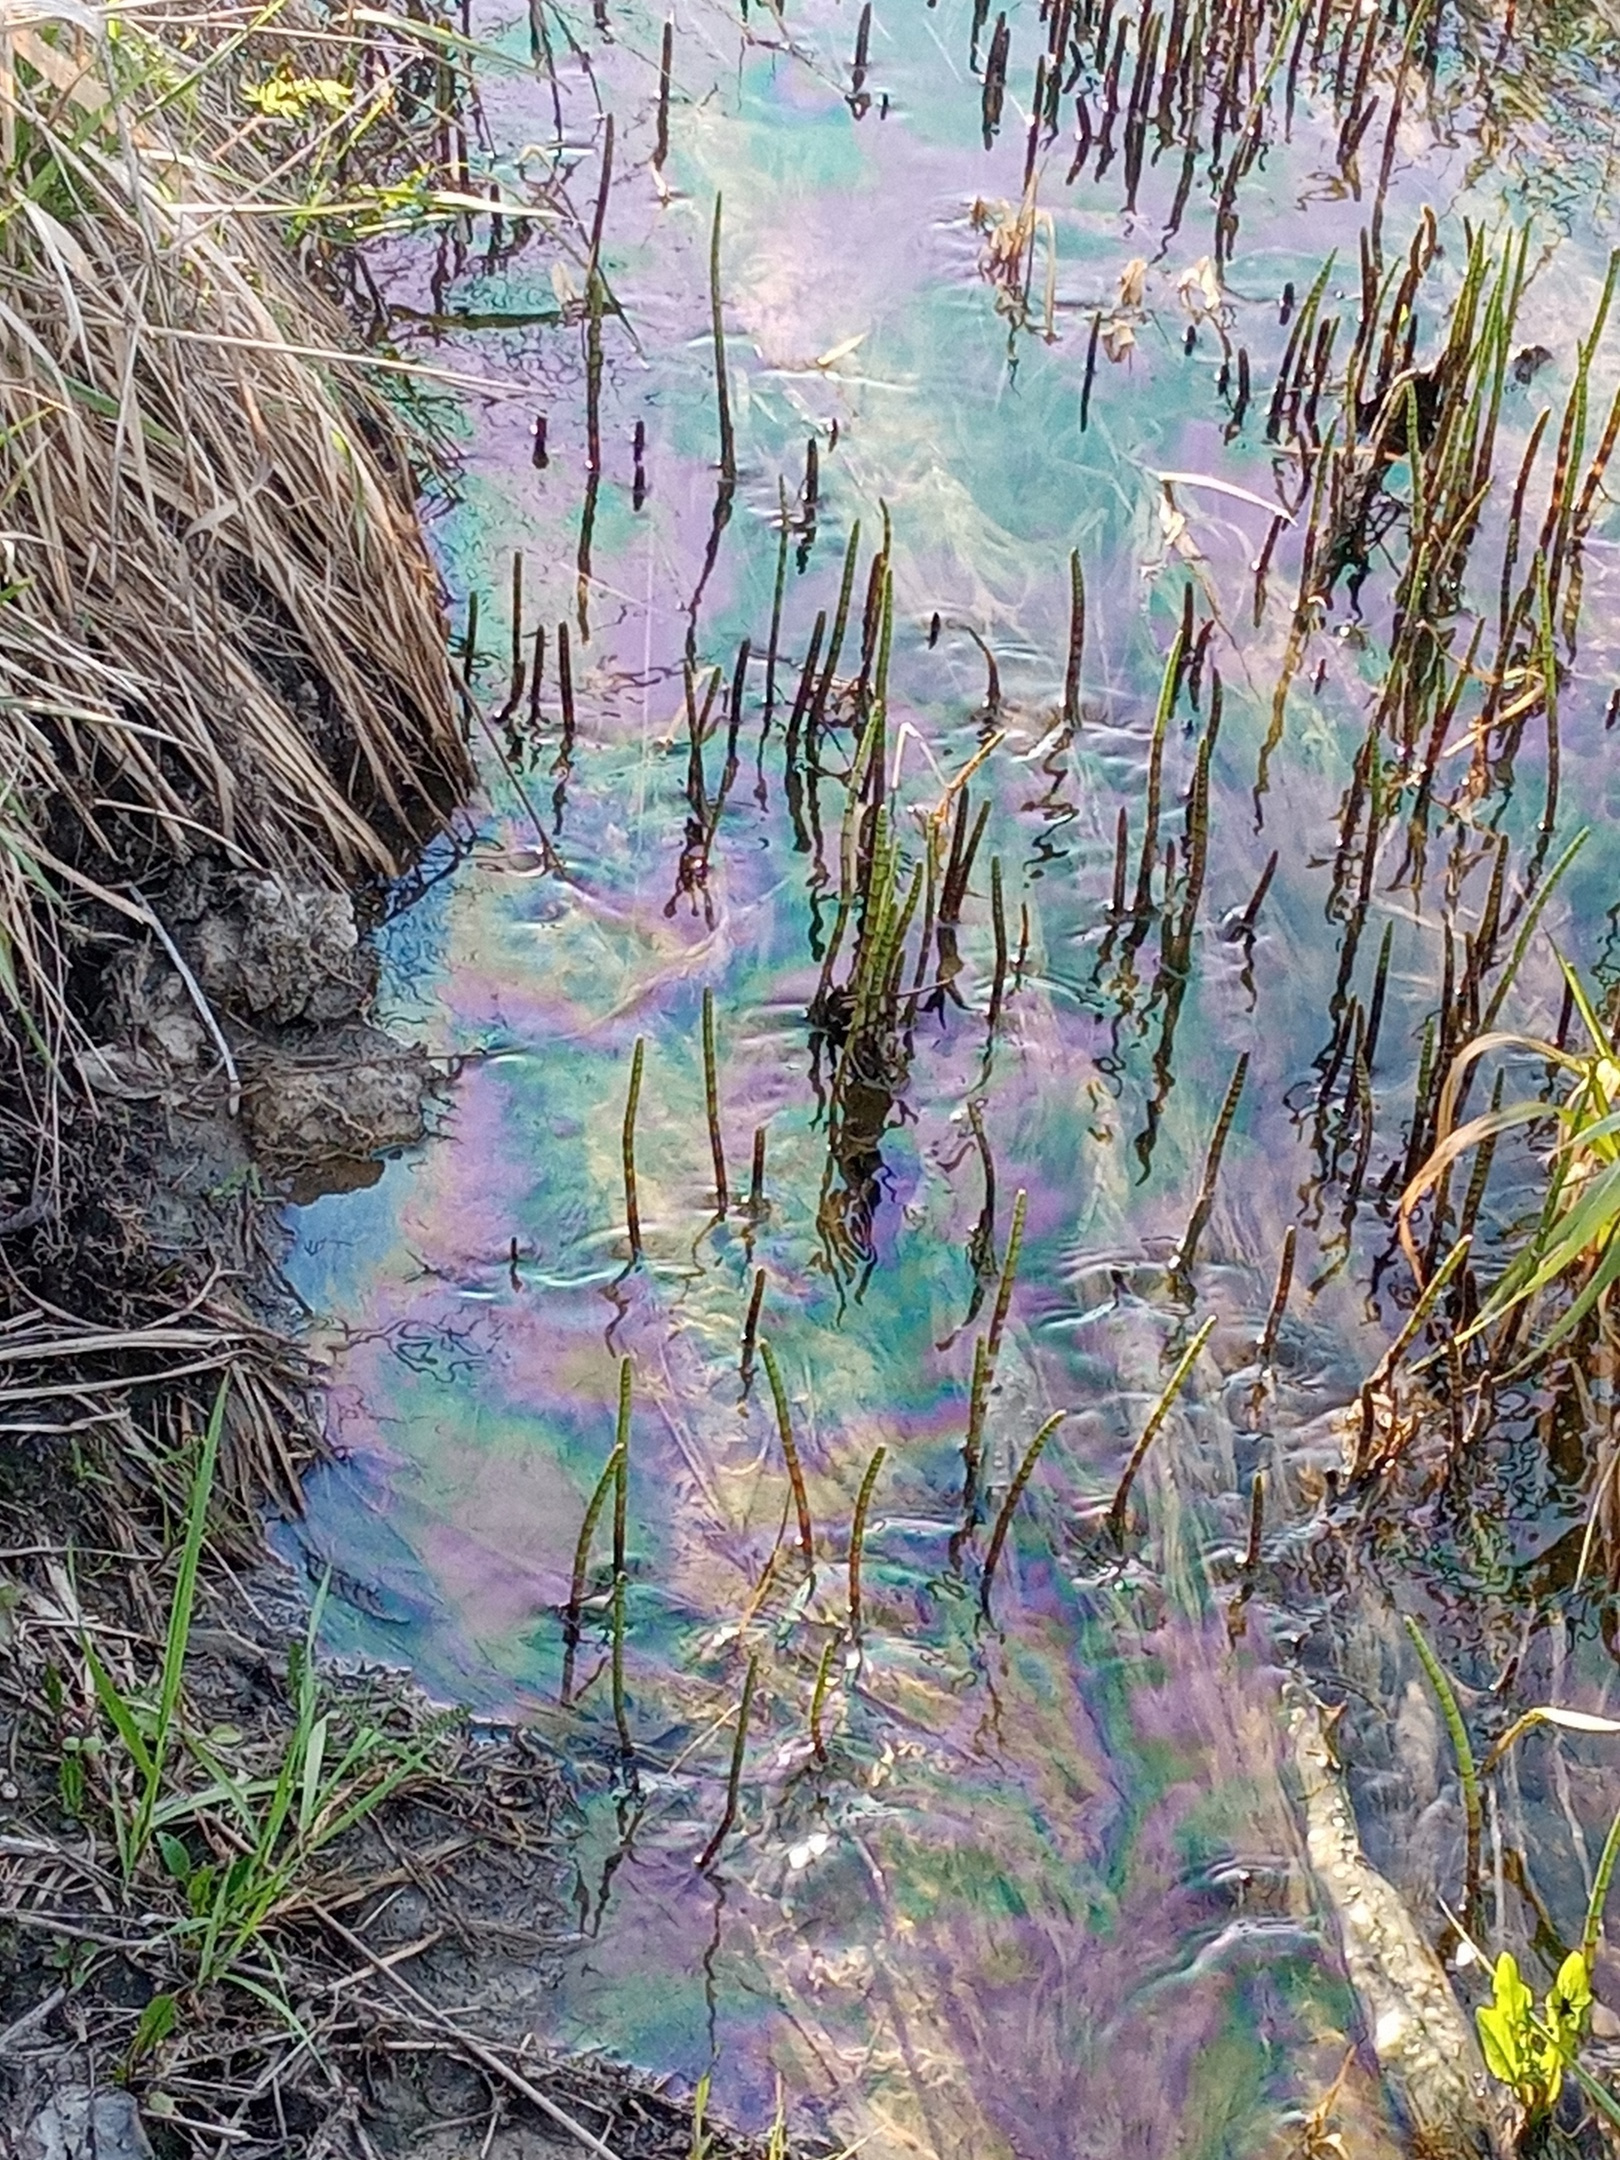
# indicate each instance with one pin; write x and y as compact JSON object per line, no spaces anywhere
{"x":986,"y":1350}
{"x":519,"y":665}
{"x":1267,"y":1347}
{"x":537,"y":677}
{"x":621,"y":1497}
{"x":469,"y":642}
{"x":998,"y":983}
{"x":665,"y":65}
{"x":751,"y":1328}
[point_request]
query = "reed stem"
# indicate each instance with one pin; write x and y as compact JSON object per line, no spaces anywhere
{"x":1150,"y":1431}
{"x":790,"y":1454}
{"x":986,"y":1350}
{"x":711,"y":1097}
{"x":1203,"y":1207}
{"x":728,"y":446}
{"x":818,"y":1698}
{"x":1015,"y":1492}
{"x":621,"y":1497}
{"x":1461,"y":1747}
{"x":1077,"y":641}
{"x":605,"y":1484}
{"x":665,"y":64}
{"x":739,"y":1743}
{"x":751,"y":1329}
{"x":857,"y":1539}
{"x":632,"y":1209}
{"x":1279,"y":1299}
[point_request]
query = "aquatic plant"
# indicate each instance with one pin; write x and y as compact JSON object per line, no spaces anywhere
{"x":1533,"y":2052}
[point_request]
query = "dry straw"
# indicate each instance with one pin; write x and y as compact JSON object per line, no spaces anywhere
{"x":219,"y":626}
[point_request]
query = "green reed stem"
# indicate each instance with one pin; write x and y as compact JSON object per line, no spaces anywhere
{"x":1257,"y":1530}
{"x":1461,"y":1747}
{"x":711,"y":1097}
{"x":1532,"y":915}
{"x":632,"y":1209}
{"x":1015,"y":1492}
{"x":818,"y":1698}
{"x":605,"y":1484}
{"x":1204,"y":1206}
{"x":739,"y":1743}
{"x":1150,"y":1431}
{"x":1077,"y":641}
{"x":857,"y":1539}
{"x":978,"y":1390}
{"x":790,"y":1453}
{"x":1607,"y":1861}
{"x":846,"y":587}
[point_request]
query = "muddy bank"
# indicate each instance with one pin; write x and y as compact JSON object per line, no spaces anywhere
{"x":235,"y":1892}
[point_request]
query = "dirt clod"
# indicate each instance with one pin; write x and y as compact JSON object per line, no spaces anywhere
{"x":280,"y":952}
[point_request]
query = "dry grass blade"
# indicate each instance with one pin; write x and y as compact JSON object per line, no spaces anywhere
{"x":219,"y":627}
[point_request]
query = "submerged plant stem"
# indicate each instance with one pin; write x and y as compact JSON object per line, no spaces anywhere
{"x":1150,"y":1431}
{"x":632,"y":1208}
{"x":728,"y":446}
{"x":1461,"y":1747}
{"x":790,"y":1453}
{"x":1015,"y":1492}
{"x":857,"y":1538}
{"x":711,"y":1097}
{"x":739,"y":1744}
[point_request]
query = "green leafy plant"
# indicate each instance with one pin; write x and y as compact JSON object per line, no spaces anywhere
{"x":289,"y":96}
{"x":1530,"y":2052}
{"x":237,"y":1840}
{"x":146,"y":1720}
{"x":263,"y":1833}
{"x":1576,"y":1241}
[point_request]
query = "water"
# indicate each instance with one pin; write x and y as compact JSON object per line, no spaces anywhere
{"x":1040,"y":1889}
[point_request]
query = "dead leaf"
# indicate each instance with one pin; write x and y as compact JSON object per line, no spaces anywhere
{"x":841,"y":351}
{"x":1200,"y":288}
{"x":1133,"y":282}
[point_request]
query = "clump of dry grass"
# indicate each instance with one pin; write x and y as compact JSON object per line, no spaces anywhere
{"x":219,"y":626}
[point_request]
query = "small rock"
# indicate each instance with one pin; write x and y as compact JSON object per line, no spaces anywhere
{"x":77,"y":2124}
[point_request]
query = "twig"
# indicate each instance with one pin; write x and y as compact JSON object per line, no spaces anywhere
{"x":205,"y":1011}
{"x":30,"y":2018}
{"x":469,"y":2044}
